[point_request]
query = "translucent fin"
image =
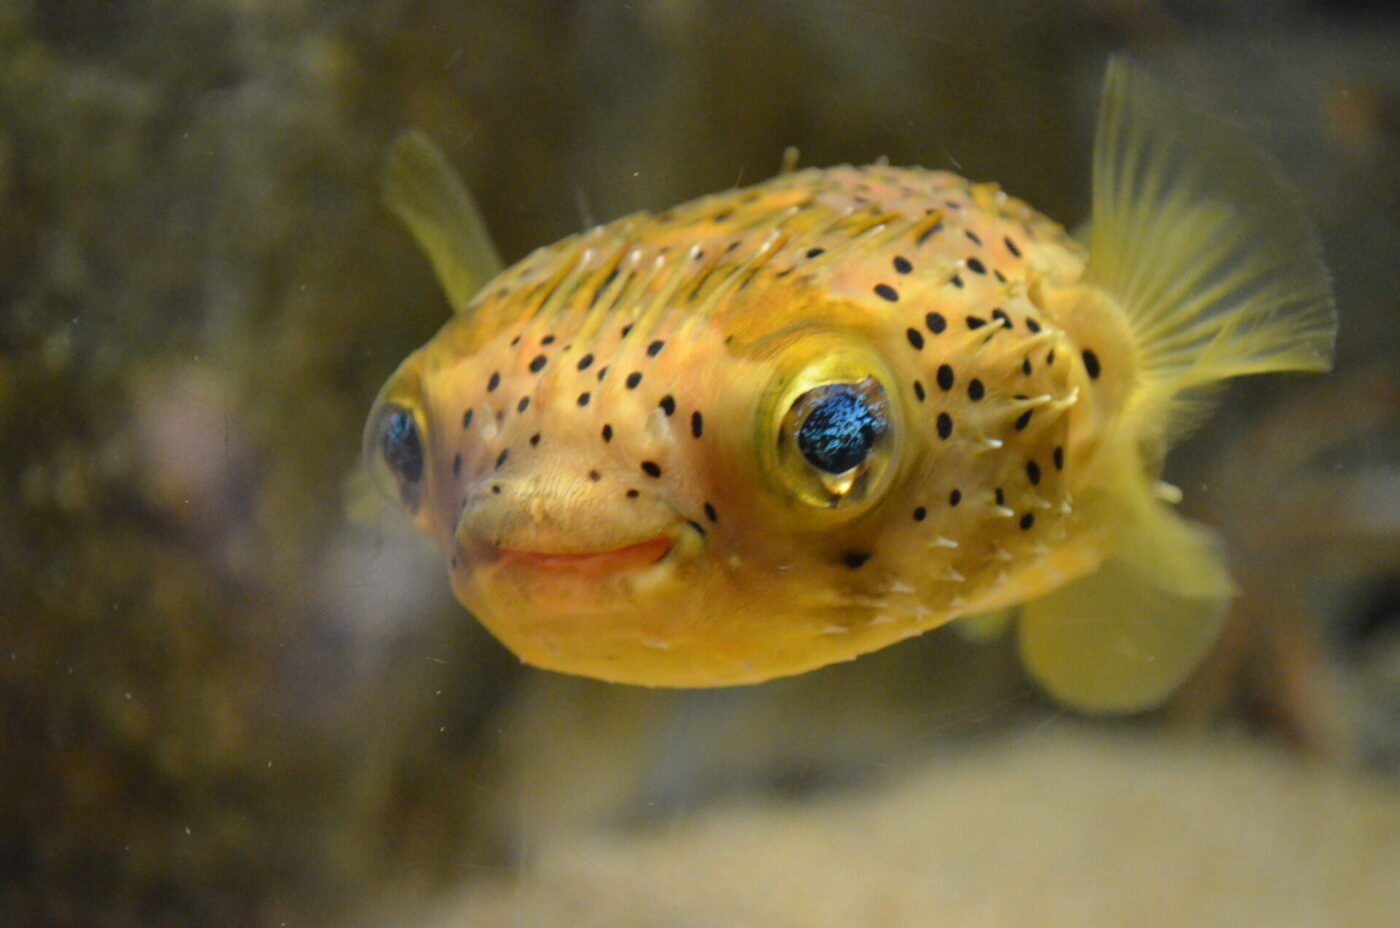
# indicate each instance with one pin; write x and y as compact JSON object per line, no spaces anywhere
{"x":363,"y":503}
{"x":1123,"y":638}
{"x":1204,"y":246}
{"x":984,"y":627}
{"x":422,"y":190}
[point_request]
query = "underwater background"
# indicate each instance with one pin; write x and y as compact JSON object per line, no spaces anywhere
{"x":232,"y":694}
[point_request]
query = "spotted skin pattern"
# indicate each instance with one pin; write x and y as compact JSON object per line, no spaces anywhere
{"x":596,"y":428}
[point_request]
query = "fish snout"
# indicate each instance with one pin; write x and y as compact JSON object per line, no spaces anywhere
{"x":557,"y":517}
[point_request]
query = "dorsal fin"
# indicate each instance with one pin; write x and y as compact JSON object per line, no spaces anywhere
{"x":1205,"y":248}
{"x":423,"y":191}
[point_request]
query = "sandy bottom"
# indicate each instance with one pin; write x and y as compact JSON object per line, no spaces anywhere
{"x":1057,"y":826}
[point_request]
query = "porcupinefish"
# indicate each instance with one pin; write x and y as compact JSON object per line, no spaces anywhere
{"x":782,"y":426}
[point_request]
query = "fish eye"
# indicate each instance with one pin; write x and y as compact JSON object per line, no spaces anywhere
{"x":394,"y":450}
{"x":400,"y":445}
{"x":840,"y":429}
{"x":834,"y":444}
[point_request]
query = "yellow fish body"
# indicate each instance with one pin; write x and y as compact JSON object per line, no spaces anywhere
{"x":780,"y":427}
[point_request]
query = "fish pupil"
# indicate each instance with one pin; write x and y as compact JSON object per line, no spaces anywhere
{"x":839,"y":432}
{"x":403,"y":451}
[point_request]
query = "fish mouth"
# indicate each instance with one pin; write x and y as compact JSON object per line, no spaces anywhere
{"x":637,"y":556}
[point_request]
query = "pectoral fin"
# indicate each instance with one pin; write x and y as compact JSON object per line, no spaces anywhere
{"x":422,"y":190}
{"x":985,"y":627}
{"x":1123,"y":638}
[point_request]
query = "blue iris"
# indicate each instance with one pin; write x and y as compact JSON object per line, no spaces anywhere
{"x":838,"y":434}
{"x":403,"y":451}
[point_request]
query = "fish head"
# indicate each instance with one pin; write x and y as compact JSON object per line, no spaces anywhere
{"x":695,"y":514}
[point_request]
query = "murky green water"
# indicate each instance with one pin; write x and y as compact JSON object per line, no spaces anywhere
{"x":225,"y":699}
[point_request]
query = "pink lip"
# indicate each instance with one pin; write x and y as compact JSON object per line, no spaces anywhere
{"x":599,"y":563}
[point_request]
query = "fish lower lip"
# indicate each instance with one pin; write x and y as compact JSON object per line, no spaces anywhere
{"x":641,"y":554}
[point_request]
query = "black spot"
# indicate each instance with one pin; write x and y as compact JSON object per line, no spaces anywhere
{"x":1000,"y":314}
{"x":668,"y":403}
{"x":523,"y":405}
{"x":584,"y":397}
{"x":955,"y":497}
{"x":456,"y":465}
{"x":902,"y":265}
{"x":1033,"y":472}
{"x":493,"y":382}
{"x":696,"y":525}
{"x":602,"y":372}
{"x":814,"y":252}
{"x":594,"y":476}
{"x":975,"y":390}
{"x":1091,"y":364}
{"x":945,"y":425}
{"x":496,"y":488}
{"x":534,"y":439}
{"x":928,"y":233}
{"x":920,"y":513}
{"x":501,"y":458}
{"x":547,"y":340}
{"x":886,"y":292}
{"x":973,"y":237}
{"x":710,"y":513}
{"x":916,"y":338}
{"x":1059,"y":458}
{"x":975,"y":322}
{"x":1011,"y":246}
{"x":976,"y":266}
{"x":1032,"y":325}
{"x":855,"y":559}
{"x":1024,"y":419}
{"x":655,"y":347}
{"x":1001,"y":497}
{"x":956,"y":281}
{"x":697,"y":424}
{"x":945,"y":377}
{"x":585,"y":361}
{"x":1001,"y":278}
{"x":467,"y":419}
{"x":1050,"y":357}
{"x":515,"y":341}
{"x":1026,"y":366}
{"x":651,"y":469}
{"x":626,"y":328}
{"x":633,"y":494}
{"x":1027,"y":521}
{"x":633,"y":379}
{"x":607,"y":433}
{"x":935,"y":322}
{"x":919,"y":391}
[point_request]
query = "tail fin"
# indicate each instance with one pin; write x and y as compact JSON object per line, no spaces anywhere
{"x":1216,"y":270}
{"x":422,"y":190}
{"x":1205,"y":248}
